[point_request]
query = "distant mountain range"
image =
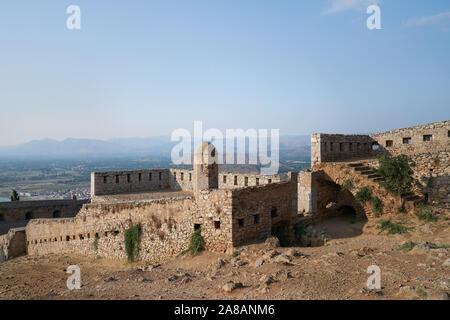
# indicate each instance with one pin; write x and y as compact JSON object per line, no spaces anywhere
{"x":290,"y":146}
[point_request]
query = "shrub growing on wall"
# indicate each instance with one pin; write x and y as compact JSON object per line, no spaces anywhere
{"x":377,"y":205}
{"x":397,"y":173}
{"x":197,"y":243}
{"x":347,"y":185}
{"x":364,"y":194}
{"x":132,"y":238}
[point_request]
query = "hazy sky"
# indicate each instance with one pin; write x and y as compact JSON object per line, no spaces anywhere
{"x":145,"y":68}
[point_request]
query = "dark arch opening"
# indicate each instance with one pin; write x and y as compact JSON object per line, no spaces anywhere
{"x":281,"y":230}
{"x":29,"y":215}
{"x":56,"y":214}
{"x":347,"y":211}
{"x":2,"y":218}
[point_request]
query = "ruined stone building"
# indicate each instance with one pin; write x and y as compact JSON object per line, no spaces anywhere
{"x":230,"y":209}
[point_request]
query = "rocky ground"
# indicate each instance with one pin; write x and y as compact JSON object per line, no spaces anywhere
{"x":337,"y":270}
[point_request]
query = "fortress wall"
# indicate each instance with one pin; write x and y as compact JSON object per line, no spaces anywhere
{"x":257,"y":210}
{"x":181,"y":179}
{"x":25,"y":210}
{"x":117,"y":182}
{"x":166,"y":227}
{"x":338,"y":147}
{"x":175,"y":179}
{"x":229,"y":180}
{"x":419,"y":139}
{"x":432,"y":169}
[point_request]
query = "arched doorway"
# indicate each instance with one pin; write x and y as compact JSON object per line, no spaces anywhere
{"x":29,"y":215}
{"x":347,"y":212}
{"x":56,"y":214}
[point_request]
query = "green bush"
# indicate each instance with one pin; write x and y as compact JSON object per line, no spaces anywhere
{"x":15,"y":196}
{"x":408,"y":246}
{"x":197,"y":243}
{"x":391,"y":227}
{"x":424,"y":213}
{"x":397,"y":174}
{"x":364,"y":194}
{"x":377,"y":205}
{"x":132,"y":239}
{"x":347,"y":185}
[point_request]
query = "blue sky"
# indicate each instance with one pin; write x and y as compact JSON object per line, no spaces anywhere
{"x":145,"y":68}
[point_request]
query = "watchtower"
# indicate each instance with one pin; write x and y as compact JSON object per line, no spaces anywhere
{"x":206,"y":169}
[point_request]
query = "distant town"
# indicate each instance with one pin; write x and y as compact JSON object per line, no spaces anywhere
{"x":79,"y":193}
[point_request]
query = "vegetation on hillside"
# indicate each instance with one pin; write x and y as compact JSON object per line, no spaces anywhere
{"x":424,"y":213}
{"x":392,"y":227}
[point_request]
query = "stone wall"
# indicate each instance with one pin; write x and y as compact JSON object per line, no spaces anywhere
{"x":13,"y":244}
{"x":419,"y":139}
{"x":26,"y":210}
{"x":174,"y":179}
{"x":259,"y":211}
{"x":307,"y":199}
{"x":229,"y":180}
{"x":168,"y":224}
{"x":116,"y":182}
{"x":432,"y":169}
{"x":330,"y":197}
{"x":181,"y":179}
{"x":337,"y":147}
{"x":166,"y":227}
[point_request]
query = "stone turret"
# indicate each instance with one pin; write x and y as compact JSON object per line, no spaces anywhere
{"x":206,"y":169}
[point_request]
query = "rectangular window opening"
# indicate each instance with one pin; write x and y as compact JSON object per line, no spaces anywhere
{"x":427,"y":137}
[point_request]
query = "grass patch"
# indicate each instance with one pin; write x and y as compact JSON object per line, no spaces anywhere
{"x":424,"y":213}
{"x":407,"y":247}
{"x":364,"y":194}
{"x":392,"y":227}
{"x":196,"y":243}
{"x":377,"y":206}
{"x":132,"y":238}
